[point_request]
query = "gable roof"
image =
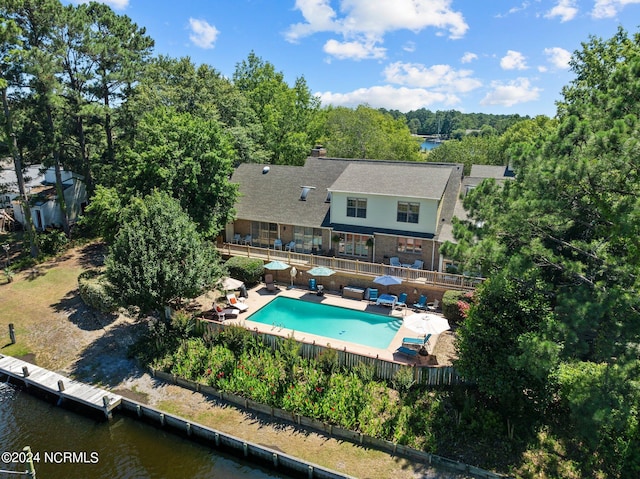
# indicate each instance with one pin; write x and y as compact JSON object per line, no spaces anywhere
{"x":412,"y":180}
{"x":274,"y":196}
{"x":490,"y":171}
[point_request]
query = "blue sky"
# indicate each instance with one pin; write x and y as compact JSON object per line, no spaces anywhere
{"x":493,"y":56}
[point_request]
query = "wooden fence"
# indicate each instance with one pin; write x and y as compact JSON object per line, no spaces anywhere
{"x":385,"y":370}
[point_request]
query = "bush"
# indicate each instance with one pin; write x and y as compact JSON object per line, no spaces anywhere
{"x":95,"y":291}
{"x":247,"y":270}
{"x":53,"y":242}
{"x":451,"y":307}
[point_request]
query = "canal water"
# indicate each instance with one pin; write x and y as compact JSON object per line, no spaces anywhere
{"x":68,"y":445}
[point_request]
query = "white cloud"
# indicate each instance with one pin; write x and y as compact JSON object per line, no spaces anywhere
{"x":371,"y":20}
{"x":610,"y":8}
{"x":511,"y":93}
{"x":513,"y":61}
{"x":513,"y":10}
{"x":402,"y":99}
{"x":356,"y":50}
{"x":558,"y":57}
{"x":202,"y":33}
{"x":436,"y":77}
{"x":409,"y":47}
{"x":468,"y":57}
{"x":565,"y":9}
{"x":115,"y":4}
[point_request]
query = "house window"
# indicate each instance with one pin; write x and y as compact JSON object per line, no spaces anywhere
{"x":263,"y":234}
{"x":308,"y":240}
{"x":357,"y":207}
{"x":409,"y":245}
{"x":408,"y":212}
{"x":353,"y":245}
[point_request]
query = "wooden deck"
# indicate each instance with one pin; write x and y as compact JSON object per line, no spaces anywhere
{"x":61,"y":386}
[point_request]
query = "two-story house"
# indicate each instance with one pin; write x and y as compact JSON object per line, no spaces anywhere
{"x":360,"y":209}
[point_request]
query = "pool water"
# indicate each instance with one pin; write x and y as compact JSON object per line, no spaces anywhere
{"x":367,"y":329}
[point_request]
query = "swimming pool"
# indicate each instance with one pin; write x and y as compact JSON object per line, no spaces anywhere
{"x":367,"y":329}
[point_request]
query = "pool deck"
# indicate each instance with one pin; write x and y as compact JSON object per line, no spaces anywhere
{"x":259,"y":296}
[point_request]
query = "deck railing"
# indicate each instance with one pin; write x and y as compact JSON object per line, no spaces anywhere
{"x":351,"y":266}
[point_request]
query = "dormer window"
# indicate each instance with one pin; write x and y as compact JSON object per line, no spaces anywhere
{"x":305,"y":192}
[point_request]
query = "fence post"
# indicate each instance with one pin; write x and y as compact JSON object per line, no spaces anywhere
{"x":12,"y":333}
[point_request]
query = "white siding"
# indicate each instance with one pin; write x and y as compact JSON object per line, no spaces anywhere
{"x":382,"y":212}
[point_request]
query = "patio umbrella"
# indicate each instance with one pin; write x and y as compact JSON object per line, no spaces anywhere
{"x":387,"y":280}
{"x":436,"y":324}
{"x":276,"y":266}
{"x":425,"y":323}
{"x":229,"y":284}
{"x":416,"y":323}
{"x":321,"y":271}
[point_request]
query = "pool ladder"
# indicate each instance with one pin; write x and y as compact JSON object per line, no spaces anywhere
{"x":280,"y":326}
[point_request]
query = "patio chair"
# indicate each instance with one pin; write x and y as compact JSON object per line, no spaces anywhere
{"x":422,"y":302}
{"x":233,"y":302}
{"x":277,"y":244}
{"x":247,"y":240}
{"x":312,"y":284}
{"x":291,"y":246}
{"x":417,"y":341}
{"x":433,"y":306}
{"x":373,"y":295}
{"x":402,"y":300}
{"x":412,"y":353}
{"x":269,"y":282}
{"x":237,"y":238}
{"x":395,"y":262}
{"x":417,"y":264}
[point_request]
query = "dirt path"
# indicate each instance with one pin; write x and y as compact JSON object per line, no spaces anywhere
{"x":57,"y":331}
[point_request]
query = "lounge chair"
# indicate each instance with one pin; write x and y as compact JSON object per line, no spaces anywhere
{"x":417,"y":341}
{"x":237,"y":238}
{"x":233,"y":302}
{"x":433,"y":306}
{"x":277,"y":244}
{"x":269,"y":282}
{"x":417,"y":264}
{"x":422,"y":302}
{"x":373,"y":295}
{"x":412,"y":353}
{"x":291,"y":246}
{"x":402,"y":300}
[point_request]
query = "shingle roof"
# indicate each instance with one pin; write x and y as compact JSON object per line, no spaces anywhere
{"x":489,"y":171}
{"x":418,"y":180}
{"x":275,"y":196}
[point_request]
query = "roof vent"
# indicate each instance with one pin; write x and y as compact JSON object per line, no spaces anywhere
{"x":328,"y":198}
{"x":305,"y":192}
{"x":265,"y":170}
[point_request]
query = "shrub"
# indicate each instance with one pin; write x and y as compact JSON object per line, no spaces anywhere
{"x":451,"y":307}
{"x":247,"y":270}
{"x":53,"y":242}
{"x":95,"y":291}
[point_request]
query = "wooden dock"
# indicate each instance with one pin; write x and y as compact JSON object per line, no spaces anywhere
{"x":66,"y":389}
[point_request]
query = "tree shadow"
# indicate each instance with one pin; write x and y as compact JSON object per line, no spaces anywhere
{"x":84,"y":317}
{"x":106,"y":360}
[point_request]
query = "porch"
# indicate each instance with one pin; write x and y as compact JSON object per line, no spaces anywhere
{"x":366,"y":270}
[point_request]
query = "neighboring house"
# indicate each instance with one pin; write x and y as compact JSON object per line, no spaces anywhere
{"x":359,"y":209}
{"x":478,"y":174}
{"x":43,"y":199}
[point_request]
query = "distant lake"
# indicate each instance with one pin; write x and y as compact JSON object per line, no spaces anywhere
{"x":429,"y":144}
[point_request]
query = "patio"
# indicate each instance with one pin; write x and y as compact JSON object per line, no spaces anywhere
{"x":259,"y":296}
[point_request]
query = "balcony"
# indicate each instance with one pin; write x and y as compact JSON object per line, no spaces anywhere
{"x":356,"y":267}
